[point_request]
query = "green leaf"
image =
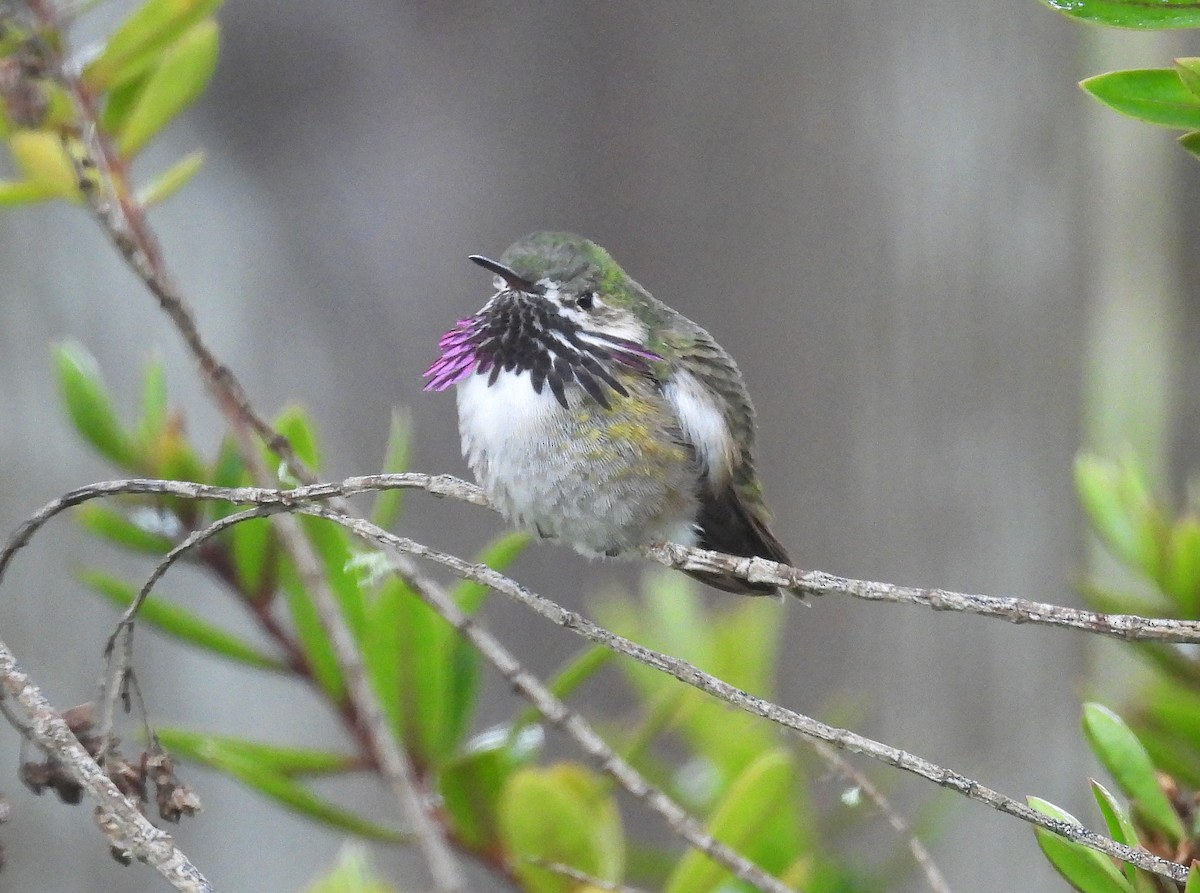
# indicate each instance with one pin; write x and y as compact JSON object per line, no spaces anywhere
{"x":1122,"y":512}
{"x":177,"y":81}
{"x":294,"y":424}
{"x":1154,"y":95}
{"x":1126,"y":760}
{"x":154,"y":403}
{"x":410,"y":652}
{"x":1176,"y":708}
{"x":89,"y":405}
{"x":426,"y":675}
{"x":143,"y":38}
{"x":288,"y":761}
{"x":24,"y":192}
{"x":172,"y":179}
{"x":254,"y":556}
{"x":230,"y":470}
{"x":381,"y":654}
{"x":1120,"y":825}
{"x":318,"y":650}
{"x":577,"y":671}
{"x":1132,"y":13}
{"x":115,"y":527}
{"x":1174,"y":753}
{"x":560,"y":814}
{"x":181,"y":623}
{"x":1084,"y":869}
{"x":289,"y":792}
{"x":471,"y":786}
{"x":121,"y":100}
{"x":751,"y":804}
{"x":499,"y":555}
{"x":1191,"y":142}
{"x":1193,"y":879}
{"x":41,"y":158}
{"x":388,"y":503}
{"x":350,"y":874}
{"x":671,"y":617}
{"x":332,"y":544}
{"x":1188,"y":69}
{"x":1181,"y":579}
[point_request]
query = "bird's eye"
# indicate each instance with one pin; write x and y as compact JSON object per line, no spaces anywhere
{"x":586,"y":300}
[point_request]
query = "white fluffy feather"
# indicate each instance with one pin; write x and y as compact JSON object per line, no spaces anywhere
{"x":702,"y":422}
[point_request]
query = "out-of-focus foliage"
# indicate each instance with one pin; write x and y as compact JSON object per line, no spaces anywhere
{"x":350,"y":874}
{"x":501,"y":800}
{"x":1154,"y":759}
{"x":153,"y":67}
{"x":1168,"y":97}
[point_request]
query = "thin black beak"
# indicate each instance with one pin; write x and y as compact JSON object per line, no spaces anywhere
{"x":514,"y":281}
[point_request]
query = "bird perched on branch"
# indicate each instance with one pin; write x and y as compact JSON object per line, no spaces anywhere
{"x":593,"y":413}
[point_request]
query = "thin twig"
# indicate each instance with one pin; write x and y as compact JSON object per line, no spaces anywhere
{"x":685,"y":672}
{"x":933,"y":876}
{"x":694,"y":676}
{"x":120,"y":818}
{"x":588,"y":880}
{"x":555,"y":711}
{"x":1127,"y":627}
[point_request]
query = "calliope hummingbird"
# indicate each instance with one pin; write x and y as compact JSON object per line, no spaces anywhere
{"x":593,"y":413}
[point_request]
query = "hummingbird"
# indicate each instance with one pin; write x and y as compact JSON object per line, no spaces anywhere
{"x":592,"y":413}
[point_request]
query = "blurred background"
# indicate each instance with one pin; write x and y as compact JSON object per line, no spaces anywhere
{"x":942,"y":268}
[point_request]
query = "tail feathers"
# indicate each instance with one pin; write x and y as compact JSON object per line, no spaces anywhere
{"x":728,"y":524}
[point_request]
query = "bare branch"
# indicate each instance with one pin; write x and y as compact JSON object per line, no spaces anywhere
{"x":694,"y":676}
{"x":269,"y":500}
{"x":522,"y":681}
{"x":121,"y":820}
{"x":589,"y":881}
{"x":933,"y":876}
{"x":1127,"y":627}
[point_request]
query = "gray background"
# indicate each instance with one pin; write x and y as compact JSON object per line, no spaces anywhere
{"x":941,"y":269}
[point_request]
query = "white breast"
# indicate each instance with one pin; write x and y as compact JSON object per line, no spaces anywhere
{"x":505,"y":424}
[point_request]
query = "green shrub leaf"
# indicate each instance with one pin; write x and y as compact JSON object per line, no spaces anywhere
{"x":1132,"y":13}
{"x":471,"y":786}
{"x":42,"y":160}
{"x":115,"y":527}
{"x":1084,"y":869}
{"x":388,"y":503}
{"x":1120,"y":825}
{"x":1188,"y":69}
{"x":172,"y":179}
{"x":1120,"y":752}
{"x":1154,"y":95}
{"x":180,"y":623}
{"x":89,"y":405}
{"x":1191,"y":142}
{"x":314,"y":641}
{"x":350,"y":874}
{"x":1181,"y":579}
{"x":141,"y":40}
{"x":561,"y":814}
{"x":176,"y":81}
{"x":233,"y":761}
{"x":289,"y":761}
{"x":751,"y":804}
